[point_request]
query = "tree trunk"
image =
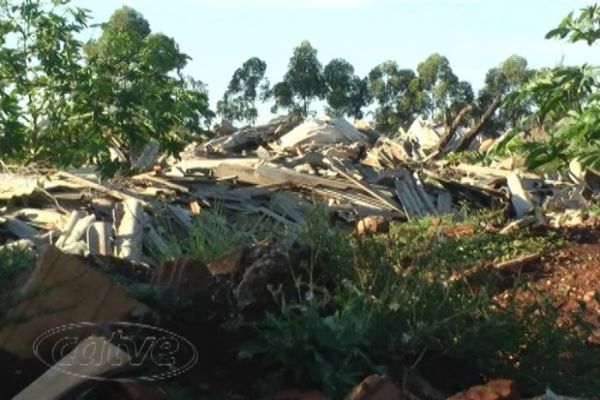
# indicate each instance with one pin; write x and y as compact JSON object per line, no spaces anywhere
{"x":451,"y":129}
{"x":472,"y":134}
{"x":305,"y":108}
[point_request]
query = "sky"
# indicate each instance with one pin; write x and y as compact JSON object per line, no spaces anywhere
{"x":475,"y":35}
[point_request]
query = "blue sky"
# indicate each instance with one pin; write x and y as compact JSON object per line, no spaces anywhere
{"x":475,"y":35}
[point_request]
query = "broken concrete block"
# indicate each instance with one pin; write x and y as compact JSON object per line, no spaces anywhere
{"x":129,"y":227}
{"x":16,"y":185}
{"x":375,"y":224}
{"x":319,"y":132}
{"x":520,"y":199}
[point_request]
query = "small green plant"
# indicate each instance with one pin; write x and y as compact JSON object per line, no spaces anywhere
{"x":12,"y":263}
{"x":211,"y":236}
{"x":302,"y":347}
{"x":424,"y":244}
{"x":330,"y":249}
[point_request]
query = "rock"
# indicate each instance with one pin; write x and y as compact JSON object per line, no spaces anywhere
{"x":229,"y":263}
{"x":376,"y":387}
{"x":376,"y":224}
{"x":266,"y":267}
{"x":185,"y":276}
{"x":589,"y":296}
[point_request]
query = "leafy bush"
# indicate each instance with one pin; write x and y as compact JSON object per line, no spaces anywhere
{"x":13,"y":262}
{"x":303,"y":347}
{"x":422,"y":289}
{"x":567,"y":100}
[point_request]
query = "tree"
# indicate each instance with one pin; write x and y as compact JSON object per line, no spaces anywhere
{"x":138,"y":91}
{"x":440,"y":84}
{"x":347,"y":93}
{"x":398,"y":94}
{"x":302,"y":83}
{"x":585,"y":27}
{"x":359,"y":97}
{"x":567,"y":101}
{"x":503,"y":81}
{"x":40,"y":66}
{"x":238,"y":103}
{"x":461,"y":96}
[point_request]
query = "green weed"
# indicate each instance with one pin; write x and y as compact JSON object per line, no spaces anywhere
{"x":301,"y":346}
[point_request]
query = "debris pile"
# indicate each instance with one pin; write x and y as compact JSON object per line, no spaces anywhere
{"x":85,"y":229}
{"x":280,"y":171}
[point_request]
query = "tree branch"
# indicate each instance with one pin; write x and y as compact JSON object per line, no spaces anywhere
{"x":451,"y":129}
{"x":472,"y":134}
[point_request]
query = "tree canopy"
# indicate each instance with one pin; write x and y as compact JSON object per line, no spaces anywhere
{"x":41,"y":70}
{"x":303,"y":81}
{"x":347,"y":93}
{"x":239,"y":101}
{"x":123,"y":89}
{"x":140,"y":93}
{"x":398,"y":94}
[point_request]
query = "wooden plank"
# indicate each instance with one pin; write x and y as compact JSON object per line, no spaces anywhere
{"x":212,"y":163}
{"x":160,"y":181}
{"x":76,"y":368}
{"x":270,"y":175}
{"x":336,"y":165}
{"x":241,"y":173}
{"x":489,"y":171}
{"x":518,"y":262}
{"x":275,"y":175}
{"x":62,"y":289}
{"x":84,"y":183}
